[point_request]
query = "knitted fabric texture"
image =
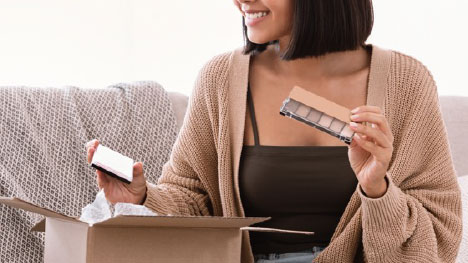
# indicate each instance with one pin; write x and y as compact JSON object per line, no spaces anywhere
{"x":417,"y":220}
{"x":43,"y":133}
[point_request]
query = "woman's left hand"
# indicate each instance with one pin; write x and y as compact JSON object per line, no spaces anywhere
{"x":371,"y":149}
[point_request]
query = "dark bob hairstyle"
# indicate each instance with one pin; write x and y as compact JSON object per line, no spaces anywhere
{"x":322,"y":26}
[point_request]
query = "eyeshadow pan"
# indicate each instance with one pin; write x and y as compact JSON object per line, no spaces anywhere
{"x":347,"y":131}
{"x":337,"y":125}
{"x":303,"y":110}
{"x":325,"y":120}
{"x":314,"y":115}
{"x":291,"y":105}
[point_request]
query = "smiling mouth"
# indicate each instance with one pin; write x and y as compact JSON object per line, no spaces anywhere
{"x":256,"y":15}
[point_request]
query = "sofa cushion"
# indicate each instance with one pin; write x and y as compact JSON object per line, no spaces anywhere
{"x":179,"y":104}
{"x":463,"y":251}
{"x":455,"y":113}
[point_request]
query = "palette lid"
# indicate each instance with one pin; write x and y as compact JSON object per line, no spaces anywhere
{"x":320,"y":103}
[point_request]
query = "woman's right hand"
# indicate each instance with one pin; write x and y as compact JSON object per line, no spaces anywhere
{"x":115,"y":190}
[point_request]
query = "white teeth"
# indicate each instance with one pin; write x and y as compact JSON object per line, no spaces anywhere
{"x":255,"y":15}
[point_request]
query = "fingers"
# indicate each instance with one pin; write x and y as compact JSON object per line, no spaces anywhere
{"x":91,"y":148}
{"x":102,"y":179}
{"x":377,"y":119}
{"x":93,"y":143}
{"x":90,"y":154}
{"x":371,"y":134}
{"x":368,"y":108}
{"x":377,"y":139}
{"x":369,"y":146}
{"x":138,"y":169}
{"x":371,"y":143}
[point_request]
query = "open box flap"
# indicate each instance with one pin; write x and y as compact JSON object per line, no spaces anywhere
{"x":180,"y":221}
{"x":276,"y":230}
{"x":21,"y":204}
{"x":40,"y":226}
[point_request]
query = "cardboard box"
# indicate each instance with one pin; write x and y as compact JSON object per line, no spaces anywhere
{"x":138,"y":238}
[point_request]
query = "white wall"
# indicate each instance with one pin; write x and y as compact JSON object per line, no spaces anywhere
{"x":98,"y":43}
{"x":433,"y":31}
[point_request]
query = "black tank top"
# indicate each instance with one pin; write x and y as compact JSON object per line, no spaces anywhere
{"x":301,"y":187}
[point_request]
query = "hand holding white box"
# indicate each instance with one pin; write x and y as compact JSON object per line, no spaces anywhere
{"x":113,"y":163}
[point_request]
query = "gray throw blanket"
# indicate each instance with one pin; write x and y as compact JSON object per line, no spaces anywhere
{"x":43,"y":132}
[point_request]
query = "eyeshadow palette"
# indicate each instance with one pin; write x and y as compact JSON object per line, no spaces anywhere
{"x":113,"y":164}
{"x":318,"y":112}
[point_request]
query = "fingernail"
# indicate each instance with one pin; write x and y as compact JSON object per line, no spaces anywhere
{"x":355,"y":110}
{"x":353,"y":124}
{"x":354,"y":117}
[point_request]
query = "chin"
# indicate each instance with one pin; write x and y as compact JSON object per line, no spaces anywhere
{"x":259,"y":39}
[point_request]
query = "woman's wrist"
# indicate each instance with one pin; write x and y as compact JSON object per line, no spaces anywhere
{"x":376,"y":191}
{"x":144,"y":196}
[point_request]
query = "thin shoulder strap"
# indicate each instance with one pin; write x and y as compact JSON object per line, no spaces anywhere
{"x":252,"y":115}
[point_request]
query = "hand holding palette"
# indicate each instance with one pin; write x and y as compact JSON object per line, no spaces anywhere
{"x":113,"y":163}
{"x":318,"y":112}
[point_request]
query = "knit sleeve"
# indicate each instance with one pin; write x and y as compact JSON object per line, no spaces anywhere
{"x":185,"y":185}
{"x":418,"y":219}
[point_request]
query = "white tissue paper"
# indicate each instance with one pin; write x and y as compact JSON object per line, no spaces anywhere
{"x":127,"y":209}
{"x":100,"y":210}
{"x":97,"y":211}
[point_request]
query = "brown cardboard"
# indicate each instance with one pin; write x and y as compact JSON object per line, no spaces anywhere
{"x":320,"y":103}
{"x":18,"y":203}
{"x":267,"y":229}
{"x":142,"y":238}
{"x":65,"y":241}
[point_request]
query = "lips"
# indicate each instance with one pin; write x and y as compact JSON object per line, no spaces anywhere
{"x":254,"y":11}
{"x":255,"y":15}
{"x":252,"y":19}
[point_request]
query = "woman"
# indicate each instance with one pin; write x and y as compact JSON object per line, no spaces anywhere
{"x":390,"y":196}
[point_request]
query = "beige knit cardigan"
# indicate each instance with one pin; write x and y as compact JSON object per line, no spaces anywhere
{"x":417,"y":220}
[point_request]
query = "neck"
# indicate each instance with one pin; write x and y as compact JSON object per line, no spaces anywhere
{"x":330,"y":65}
